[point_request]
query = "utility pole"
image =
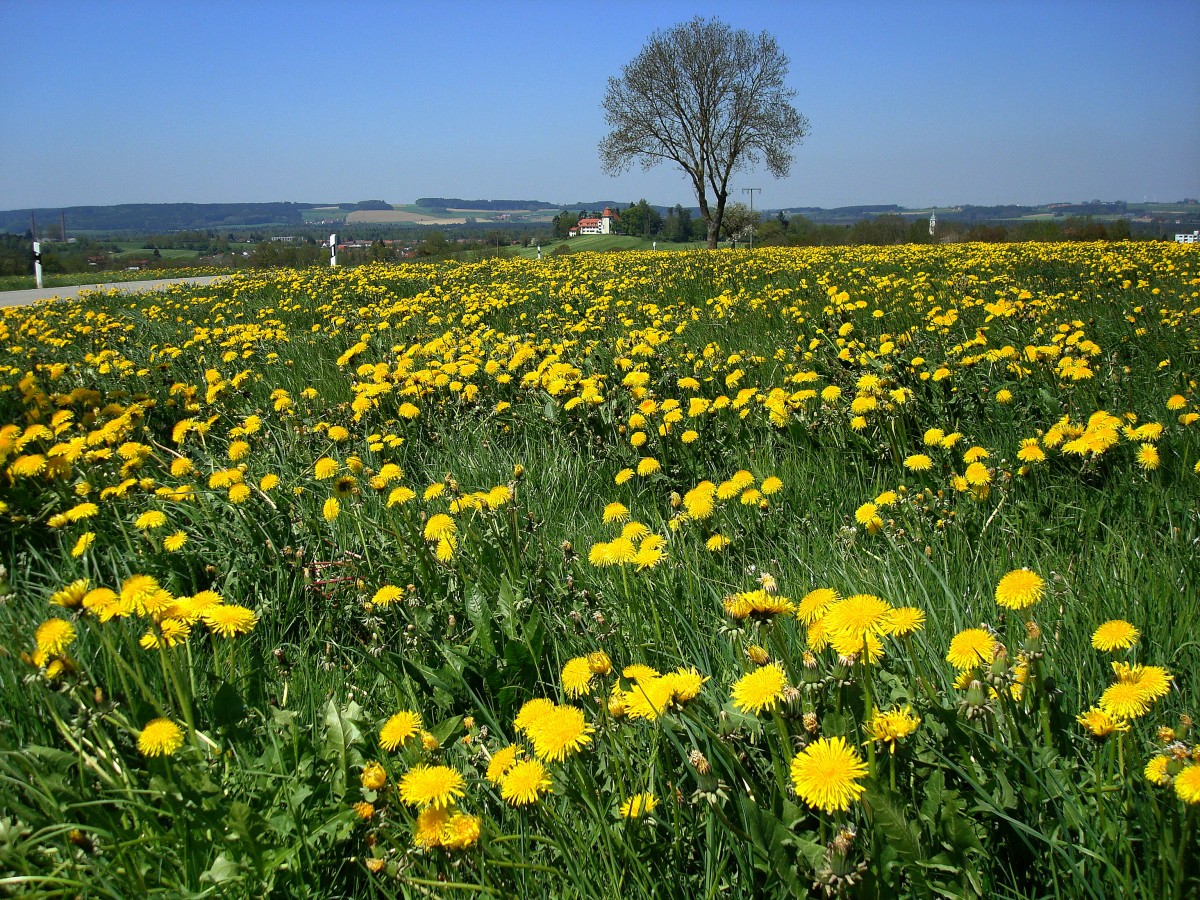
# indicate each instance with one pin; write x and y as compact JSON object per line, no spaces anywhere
{"x":751,"y":191}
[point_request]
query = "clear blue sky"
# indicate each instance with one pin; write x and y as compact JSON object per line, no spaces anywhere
{"x":914,"y":103}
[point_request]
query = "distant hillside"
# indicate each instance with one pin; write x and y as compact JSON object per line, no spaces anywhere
{"x":157,"y":217}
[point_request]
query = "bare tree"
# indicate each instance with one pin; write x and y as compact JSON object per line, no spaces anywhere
{"x":708,"y":98}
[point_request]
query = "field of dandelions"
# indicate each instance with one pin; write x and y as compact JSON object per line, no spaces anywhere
{"x":857,"y":571}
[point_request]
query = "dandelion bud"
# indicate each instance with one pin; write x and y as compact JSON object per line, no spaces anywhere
{"x":699,"y":762}
{"x":98,"y":695}
{"x":373,"y":777}
{"x":518,"y":471}
{"x":1032,"y":630}
{"x":810,"y":660}
{"x":365,"y":810}
{"x":758,"y":655}
{"x":1166,"y":734}
{"x":429,"y":742}
{"x":676,"y":500}
{"x":841,"y":843}
{"x":810,"y":722}
{"x":451,"y":622}
{"x":599,"y":662}
{"x":566,"y":547}
{"x":469,"y":722}
{"x":598,"y":618}
{"x":375,"y":864}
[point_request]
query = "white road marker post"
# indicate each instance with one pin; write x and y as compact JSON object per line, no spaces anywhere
{"x":333,"y":250}
{"x":37,"y":262}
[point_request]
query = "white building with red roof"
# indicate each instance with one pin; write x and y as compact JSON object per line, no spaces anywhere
{"x":601,"y":225}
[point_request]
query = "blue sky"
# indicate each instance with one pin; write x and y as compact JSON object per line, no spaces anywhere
{"x":914,"y":103}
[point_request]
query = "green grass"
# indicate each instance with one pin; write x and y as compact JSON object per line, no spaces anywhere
{"x":469,"y":377}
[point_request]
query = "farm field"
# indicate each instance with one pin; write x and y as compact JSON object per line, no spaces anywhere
{"x":855,"y":571}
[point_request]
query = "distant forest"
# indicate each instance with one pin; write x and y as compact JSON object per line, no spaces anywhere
{"x":500,"y":205}
{"x":156,"y":217}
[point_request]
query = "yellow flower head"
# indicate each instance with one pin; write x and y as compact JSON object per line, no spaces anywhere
{"x":826,"y":774}
{"x":525,"y":782}
{"x":160,"y":737}
{"x":1115,"y":634}
{"x":399,"y":730}
{"x":437,"y":786}
{"x":638,"y":805}
{"x":1020,"y":589}
{"x":760,"y":690}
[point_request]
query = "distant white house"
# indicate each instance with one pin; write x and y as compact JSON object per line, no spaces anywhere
{"x":1193,"y":238}
{"x":602,"y":225}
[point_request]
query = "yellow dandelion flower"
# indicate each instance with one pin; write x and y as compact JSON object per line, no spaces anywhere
{"x":439,"y":527}
{"x":970,"y":648}
{"x":717,"y":543}
{"x":461,"y":831}
{"x":72,"y":595}
{"x":150,"y":520}
{"x":1156,"y":769}
{"x":437,"y":786}
{"x":559,"y":733}
{"x":1125,"y":700}
{"x":387,"y":594}
{"x":616,"y":512}
{"x":430,"y":826}
{"x":892,"y":725}
{"x":760,"y":690}
{"x":623,"y":476}
{"x":229,"y":620}
{"x":173,"y":543}
{"x":978,"y":475}
{"x":525,"y":782}
{"x":639,"y":805}
{"x":239,"y":493}
{"x":648,"y":466}
{"x":1187,"y":785}
{"x":1115,"y":634}
{"x":1147,"y":457}
{"x":159,"y":737}
{"x":502,"y":760}
{"x":325,"y":468}
{"x":1020,"y":589}
{"x":373,"y":777}
{"x":54,"y":636}
{"x":331,"y":509}
{"x":1099,"y":723}
{"x":577,"y":676}
{"x":399,"y":730}
{"x":826,"y":774}
{"x":530,"y":712}
{"x":906,"y":620}
{"x":771,"y":485}
{"x":81,"y":546}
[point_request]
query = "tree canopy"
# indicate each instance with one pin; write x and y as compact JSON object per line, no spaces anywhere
{"x":710,"y":99}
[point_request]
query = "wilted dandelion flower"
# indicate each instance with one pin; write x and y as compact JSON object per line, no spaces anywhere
{"x":970,"y":648}
{"x":639,"y":805}
{"x":826,"y":773}
{"x":437,"y":786}
{"x":525,"y":783}
{"x":399,"y":730}
{"x":1115,"y":634}
{"x":159,"y":737}
{"x":1020,"y":589}
{"x":760,"y":689}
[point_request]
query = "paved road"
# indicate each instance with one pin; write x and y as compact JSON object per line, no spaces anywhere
{"x":20,"y":298}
